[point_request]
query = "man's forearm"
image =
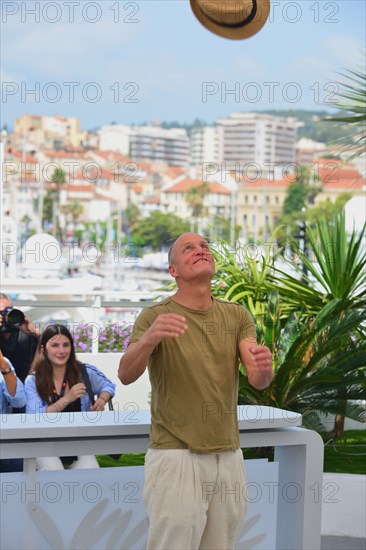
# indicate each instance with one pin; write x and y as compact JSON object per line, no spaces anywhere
{"x":260,"y":379}
{"x":134,"y":362}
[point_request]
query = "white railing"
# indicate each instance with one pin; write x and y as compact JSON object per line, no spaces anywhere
{"x":88,"y":309}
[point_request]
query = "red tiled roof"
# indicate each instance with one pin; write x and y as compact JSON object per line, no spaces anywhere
{"x":144,"y":166}
{"x":20,"y":156}
{"x":65,"y":154}
{"x":183,"y":185}
{"x":216,"y":187}
{"x":335,"y":173}
{"x":102,"y":173}
{"x":75,"y":187}
{"x":152,"y":200}
{"x":187,"y":183}
{"x":174,"y":171}
{"x":347,"y":185}
{"x":335,"y":169}
{"x":109,"y":155}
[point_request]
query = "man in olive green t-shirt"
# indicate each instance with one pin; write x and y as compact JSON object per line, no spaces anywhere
{"x":192,"y":345}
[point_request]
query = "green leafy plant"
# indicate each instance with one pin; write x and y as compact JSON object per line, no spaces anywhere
{"x":313,"y":324}
{"x":335,"y":265}
{"x":308,"y":374}
{"x":352,"y":101}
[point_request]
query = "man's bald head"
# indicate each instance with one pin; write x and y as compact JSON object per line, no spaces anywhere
{"x":171,"y":249}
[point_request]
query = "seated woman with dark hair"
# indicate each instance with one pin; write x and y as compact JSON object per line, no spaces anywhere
{"x":56,"y":384}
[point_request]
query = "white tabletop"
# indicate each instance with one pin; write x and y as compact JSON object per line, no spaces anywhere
{"x":124,"y":423}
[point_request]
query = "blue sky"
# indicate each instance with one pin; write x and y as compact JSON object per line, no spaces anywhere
{"x":136,"y":61}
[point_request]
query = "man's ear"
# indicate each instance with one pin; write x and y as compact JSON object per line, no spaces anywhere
{"x":172,"y":271}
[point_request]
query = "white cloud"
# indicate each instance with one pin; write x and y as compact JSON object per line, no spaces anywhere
{"x":65,"y":50}
{"x":346,"y":50}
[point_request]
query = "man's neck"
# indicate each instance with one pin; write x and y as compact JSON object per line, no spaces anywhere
{"x":197,"y":298}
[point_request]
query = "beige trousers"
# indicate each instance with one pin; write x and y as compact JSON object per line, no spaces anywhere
{"x":194,"y":501}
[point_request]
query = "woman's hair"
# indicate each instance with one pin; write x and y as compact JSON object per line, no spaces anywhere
{"x":42,"y":368}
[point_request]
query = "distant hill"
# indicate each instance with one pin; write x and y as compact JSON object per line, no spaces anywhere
{"x":313,"y":126}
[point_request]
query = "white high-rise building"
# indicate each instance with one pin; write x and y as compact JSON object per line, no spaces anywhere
{"x":115,"y":137}
{"x":205,"y":144}
{"x":242,"y":139}
{"x":258,"y":138}
{"x":147,"y":143}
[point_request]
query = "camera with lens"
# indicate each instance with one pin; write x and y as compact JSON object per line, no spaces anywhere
{"x":11,"y":319}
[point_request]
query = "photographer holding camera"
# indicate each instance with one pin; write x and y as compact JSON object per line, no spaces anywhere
{"x":18,"y":337}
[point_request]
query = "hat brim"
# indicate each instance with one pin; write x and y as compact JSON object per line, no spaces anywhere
{"x":237,"y":31}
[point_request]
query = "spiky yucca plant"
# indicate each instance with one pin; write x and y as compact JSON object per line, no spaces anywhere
{"x":335,"y":270}
{"x":308,"y":373}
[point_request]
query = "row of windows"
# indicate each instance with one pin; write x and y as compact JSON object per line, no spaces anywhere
{"x":267,"y":199}
{"x":267,"y":220}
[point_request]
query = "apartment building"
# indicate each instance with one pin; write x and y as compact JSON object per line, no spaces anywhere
{"x":205,"y":145}
{"x":152,"y":143}
{"x":21,"y":184}
{"x":257,"y":138}
{"x":49,"y":132}
{"x":247,"y":142}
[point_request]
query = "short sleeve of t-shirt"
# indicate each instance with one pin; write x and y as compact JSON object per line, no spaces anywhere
{"x":247,"y":326}
{"x":144,"y":320}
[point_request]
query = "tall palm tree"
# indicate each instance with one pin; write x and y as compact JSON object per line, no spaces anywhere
{"x":73,"y":209}
{"x":58,"y":178}
{"x":195,"y":197}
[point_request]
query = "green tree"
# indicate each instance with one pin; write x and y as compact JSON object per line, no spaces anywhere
{"x":73,"y":209}
{"x":301,"y":192}
{"x":299,"y":199}
{"x":326,"y":210}
{"x":159,"y":229}
{"x":52,"y":199}
{"x":195,"y":198}
{"x":295,"y":198}
{"x":48,"y":206}
{"x":132,"y":215}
